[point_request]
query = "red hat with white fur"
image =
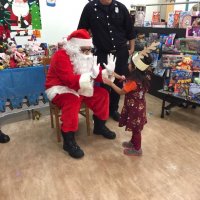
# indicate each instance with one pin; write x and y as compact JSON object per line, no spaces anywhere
{"x":80,"y":37}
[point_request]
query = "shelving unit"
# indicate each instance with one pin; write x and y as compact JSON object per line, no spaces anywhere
{"x":172,"y":3}
{"x":180,"y":32}
{"x":157,"y":81}
{"x":175,"y":3}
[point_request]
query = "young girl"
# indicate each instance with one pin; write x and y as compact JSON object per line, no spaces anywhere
{"x":133,"y":114}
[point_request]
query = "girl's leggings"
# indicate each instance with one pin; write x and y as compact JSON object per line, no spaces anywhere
{"x":136,"y":140}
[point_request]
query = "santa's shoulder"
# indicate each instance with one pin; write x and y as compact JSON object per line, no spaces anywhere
{"x":61,"y":53}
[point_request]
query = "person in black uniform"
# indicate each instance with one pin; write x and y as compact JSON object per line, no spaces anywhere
{"x":111,"y":27}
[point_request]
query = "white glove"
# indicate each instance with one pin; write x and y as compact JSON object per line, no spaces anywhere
{"x":95,"y":68}
{"x":111,"y":60}
{"x":86,"y":85}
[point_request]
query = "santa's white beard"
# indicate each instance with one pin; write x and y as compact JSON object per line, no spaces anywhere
{"x":20,"y":9}
{"x":82,"y":63}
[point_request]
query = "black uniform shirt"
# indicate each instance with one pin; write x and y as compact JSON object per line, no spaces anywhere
{"x":111,"y":26}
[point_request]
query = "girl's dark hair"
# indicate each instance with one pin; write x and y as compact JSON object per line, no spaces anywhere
{"x":139,"y":76}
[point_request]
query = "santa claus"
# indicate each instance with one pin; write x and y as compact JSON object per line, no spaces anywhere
{"x":70,"y":81}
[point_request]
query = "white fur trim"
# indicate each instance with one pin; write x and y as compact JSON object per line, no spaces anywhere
{"x":58,"y":89}
{"x":86,"y":85}
{"x":81,"y":42}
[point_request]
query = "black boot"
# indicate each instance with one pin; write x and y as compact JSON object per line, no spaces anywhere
{"x":101,"y":129}
{"x":70,"y":145}
{"x":4,"y":138}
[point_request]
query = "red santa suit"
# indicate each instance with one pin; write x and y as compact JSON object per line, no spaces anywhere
{"x":69,"y":82}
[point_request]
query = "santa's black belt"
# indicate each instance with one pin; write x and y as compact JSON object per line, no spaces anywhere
{"x":122,"y":47}
{"x":112,"y":51}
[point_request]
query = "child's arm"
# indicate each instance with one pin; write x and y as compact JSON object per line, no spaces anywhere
{"x":120,"y":77}
{"x":129,"y":86}
{"x":113,"y":86}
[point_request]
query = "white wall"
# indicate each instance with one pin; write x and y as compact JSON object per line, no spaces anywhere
{"x":61,"y":20}
{"x":183,"y":6}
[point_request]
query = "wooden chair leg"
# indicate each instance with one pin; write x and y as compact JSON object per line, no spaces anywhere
{"x":51,"y":116}
{"x":57,"y":125}
{"x":87,"y":118}
{"x":33,"y":115}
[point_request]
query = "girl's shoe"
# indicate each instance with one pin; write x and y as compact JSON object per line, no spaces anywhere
{"x":127,"y":145}
{"x":132,"y":152}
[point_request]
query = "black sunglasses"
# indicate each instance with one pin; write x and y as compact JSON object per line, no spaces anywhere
{"x":86,"y":50}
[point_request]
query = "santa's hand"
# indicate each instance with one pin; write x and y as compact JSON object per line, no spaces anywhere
{"x":111,"y":60}
{"x":95,"y":68}
{"x":86,"y":85}
{"x":85,"y":80}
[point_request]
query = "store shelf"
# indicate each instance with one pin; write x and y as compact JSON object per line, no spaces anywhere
{"x":180,"y":32}
{"x":157,"y":81}
{"x":172,"y":3}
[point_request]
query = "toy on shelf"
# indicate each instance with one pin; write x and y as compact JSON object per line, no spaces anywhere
{"x":176,"y":18}
{"x":196,"y":65}
{"x":147,"y":23}
{"x":170,"y":60}
{"x":193,"y":32}
{"x":185,"y":64}
{"x":156,"y":16}
{"x":170,"y":22}
{"x":170,"y":39}
{"x":179,"y":82}
{"x":194,"y":91}
{"x":189,"y":45}
{"x":140,"y":15}
{"x":185,"y":19}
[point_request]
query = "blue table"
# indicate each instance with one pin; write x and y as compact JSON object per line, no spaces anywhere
{"x":21,"y":83}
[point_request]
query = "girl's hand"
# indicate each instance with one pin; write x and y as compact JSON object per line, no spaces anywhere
{"x":107,"y":81}
{"x":122,"y":78}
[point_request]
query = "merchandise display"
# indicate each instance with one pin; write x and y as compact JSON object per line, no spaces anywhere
{"x":21,"y":52}
{"x":175,"y":64}
{"x":14,"y":55}
{"x":175,"y":19}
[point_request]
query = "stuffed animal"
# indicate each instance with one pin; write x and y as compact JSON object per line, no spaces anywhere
{"x":186,"y":64}
{"x":21,"y":58}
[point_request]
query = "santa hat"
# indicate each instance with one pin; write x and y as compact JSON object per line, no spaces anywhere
{"x":80,"y":37}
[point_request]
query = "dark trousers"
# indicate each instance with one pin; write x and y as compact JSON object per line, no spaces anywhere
{"x":121,"y":69}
